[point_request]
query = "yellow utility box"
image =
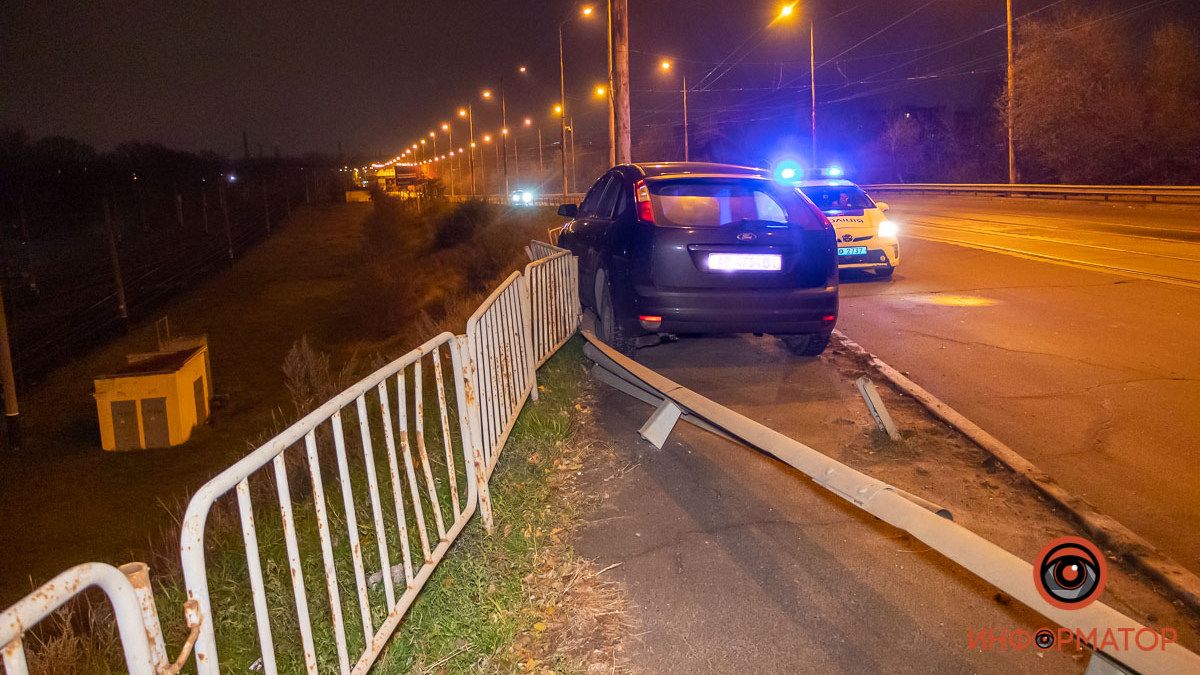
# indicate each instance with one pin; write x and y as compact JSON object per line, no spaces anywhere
{"x":154,"y":401}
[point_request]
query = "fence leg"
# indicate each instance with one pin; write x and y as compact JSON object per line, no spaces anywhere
{"x":473,"y":434}
{"x":527,"y":334}
{"x":139,"y":576}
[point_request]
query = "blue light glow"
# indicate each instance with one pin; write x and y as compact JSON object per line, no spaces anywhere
{"x":835,"y":171}
{"x":788,"y":171}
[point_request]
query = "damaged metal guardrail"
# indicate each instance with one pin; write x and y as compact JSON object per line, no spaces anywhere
{"x":913,"y":515}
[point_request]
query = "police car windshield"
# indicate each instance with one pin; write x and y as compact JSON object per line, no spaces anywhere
{"x":838,"y":197}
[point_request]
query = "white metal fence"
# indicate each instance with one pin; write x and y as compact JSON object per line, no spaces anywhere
{"x":410,"y":449}
{"x":553,"y":279}
{"x":423,"y":470}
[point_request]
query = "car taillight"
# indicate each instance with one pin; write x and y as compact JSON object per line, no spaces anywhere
{"x":641,"y":195}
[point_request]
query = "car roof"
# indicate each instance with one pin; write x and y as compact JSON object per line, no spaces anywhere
{"x":673,"y":169}
{"x":825,"y":182}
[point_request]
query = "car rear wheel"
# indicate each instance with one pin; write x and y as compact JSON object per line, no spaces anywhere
{"x":810,"y":344}
{"x":610,"y":330}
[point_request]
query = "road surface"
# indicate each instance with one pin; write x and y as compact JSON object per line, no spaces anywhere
{"x":1069,"y":330}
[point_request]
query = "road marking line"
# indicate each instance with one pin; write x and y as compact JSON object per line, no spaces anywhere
{"x":1066,"y":262}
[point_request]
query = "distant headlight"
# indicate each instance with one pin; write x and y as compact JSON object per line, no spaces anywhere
{"x":527,"y":197}
{"x":889,"y":229}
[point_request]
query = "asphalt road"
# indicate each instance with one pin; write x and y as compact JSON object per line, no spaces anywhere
{"x":1069,"y":330}
{"x":736,"y":563}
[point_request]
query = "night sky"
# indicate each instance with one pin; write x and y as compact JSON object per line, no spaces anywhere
{"x":374,"y":75}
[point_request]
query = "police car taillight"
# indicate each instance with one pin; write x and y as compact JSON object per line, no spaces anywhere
{"x":641,"y":195}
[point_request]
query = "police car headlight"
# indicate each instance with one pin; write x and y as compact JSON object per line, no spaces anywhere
{"x":527,"y":197}
{"x":889,"y":229}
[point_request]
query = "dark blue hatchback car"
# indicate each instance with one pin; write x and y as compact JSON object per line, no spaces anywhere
{"x":688,"y":247}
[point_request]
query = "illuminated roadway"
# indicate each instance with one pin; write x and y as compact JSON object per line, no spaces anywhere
{"x":1069,"y":330}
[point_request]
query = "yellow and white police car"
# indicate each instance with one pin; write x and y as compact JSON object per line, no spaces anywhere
{"x":866,"y":239}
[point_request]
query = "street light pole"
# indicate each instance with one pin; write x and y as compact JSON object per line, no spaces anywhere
{"x":612,"y":109}
{"x":687,"y":155}
{"x":503,"y":132}
{"x":562,"y":106}
{"x":1012,"y":155}
{"x":812,"y":73}
{"x":449,"y":129}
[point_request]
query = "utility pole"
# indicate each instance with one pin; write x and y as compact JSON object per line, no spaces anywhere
{"x":812,"y":84}
{"x":1012,"y":155}
{"x":204,"y":209}
{"x":225,"y":214}
{"x":471,"y":147}
{"x":11,"y":410}
{"x":562,"y":108}
{"x":571,"y":128}
{"x":621,"y":75}
{"x":504,"y":133}
{"x":541,"y":164}
{"x":266,"y":208}
{"x":122,"y":308}
{"x":687,"y":155}
{"x":612,"y":108}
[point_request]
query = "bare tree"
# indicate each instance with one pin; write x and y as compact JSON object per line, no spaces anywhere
{"x":1172,"y":75}
{"x":902,"y":139}
{"x":1077,"y":111}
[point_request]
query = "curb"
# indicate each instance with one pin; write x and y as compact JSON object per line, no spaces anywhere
{"x":1107,"y":531}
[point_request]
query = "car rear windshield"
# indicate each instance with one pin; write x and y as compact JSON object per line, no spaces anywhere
{"x":838,"y":197}
{"x":714,"y":202}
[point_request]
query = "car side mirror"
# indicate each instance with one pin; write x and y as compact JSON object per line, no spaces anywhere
{"x":883,"y":206}
{"x":568,"y":210}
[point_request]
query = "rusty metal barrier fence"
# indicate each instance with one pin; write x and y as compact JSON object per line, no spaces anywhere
{"x":553,"y":280}
{"x":410,"y":449}
{"x":426,"y":470}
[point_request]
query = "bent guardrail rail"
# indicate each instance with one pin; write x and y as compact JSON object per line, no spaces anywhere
{"x":986,"y":560}
{"x":1154,"y":193}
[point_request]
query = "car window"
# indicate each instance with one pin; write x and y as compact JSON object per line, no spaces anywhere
{"x":587,"y":209}
{"x":838,"y":197}
{"x":713,"y":202}
{"x":608,"y":202}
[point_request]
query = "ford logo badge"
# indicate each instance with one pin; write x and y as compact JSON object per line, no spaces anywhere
{"x":746,"y":236}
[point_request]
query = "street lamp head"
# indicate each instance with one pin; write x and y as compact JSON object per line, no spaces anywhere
{"x":487,"y":94}
{"x":528,"y":122}
{"x":522,"y":69}
{"x":473,"y":144}
{"x":665,"y":64}
{"x":422,"y":141}
{"x":487,"y":138}
{"x":432,"y":134}
{"x":504,"y":131}
{"x":445,"y":126}
{"x":587,"y":10}
{"x":787,"y":10}
{"x":558,"y":109}
{"x":601,"y":90}
{"x":462,"y":112}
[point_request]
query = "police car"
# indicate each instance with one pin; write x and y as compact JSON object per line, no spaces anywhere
{"x":866,"y":239}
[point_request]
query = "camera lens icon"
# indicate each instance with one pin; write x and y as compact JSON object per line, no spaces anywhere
{"x":1070,"y":573}
{"x":1044,"y":638}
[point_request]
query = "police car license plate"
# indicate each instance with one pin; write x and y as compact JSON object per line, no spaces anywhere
{"x":852,"y":250}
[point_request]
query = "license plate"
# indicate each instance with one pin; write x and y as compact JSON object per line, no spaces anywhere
{"x":755,"y":262}
{"x":852,"y":250}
